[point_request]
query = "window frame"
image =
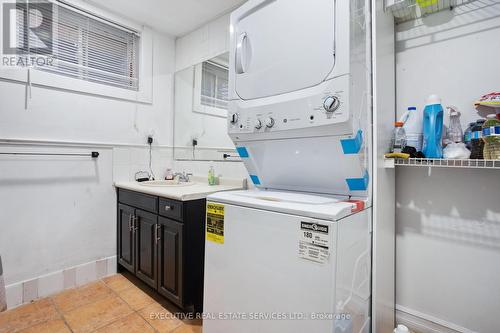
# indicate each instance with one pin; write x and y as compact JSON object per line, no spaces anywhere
{"x":198,"y":107}
{"x":42,"y":78}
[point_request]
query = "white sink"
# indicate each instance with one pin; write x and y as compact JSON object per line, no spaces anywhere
{"x":166,"y":183}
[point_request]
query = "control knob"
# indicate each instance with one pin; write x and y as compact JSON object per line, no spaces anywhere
{"x":258,"y":124}
{"x":269,"y":122}
{"x":331,"y":103}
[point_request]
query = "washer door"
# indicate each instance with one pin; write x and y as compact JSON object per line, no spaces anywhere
{"x":282,"y":46}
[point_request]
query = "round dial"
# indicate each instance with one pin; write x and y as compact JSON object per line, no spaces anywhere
{"x":258,"y":124}
{"x":269,"y":122}
{"x":233,"y":119}
{"x":331,"y":103}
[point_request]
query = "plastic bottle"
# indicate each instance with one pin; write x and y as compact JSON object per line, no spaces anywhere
{"x":455,"y":132}
{"x":401,"y":329}
{"x":398,"y":141}
{"x":468,"y":136}
{"x":491,"y":137}
{"x":169,"y":175}
{"x":477,"y":143}
{"x":427,"y":6}
{"x":433,"y":128}
{"x":211,"y":175}
{"x":413,"y":128}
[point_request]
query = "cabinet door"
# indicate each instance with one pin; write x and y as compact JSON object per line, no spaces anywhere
{"x":145,"y":244}
{"x":170,"y":260}
{"x":126,"y":237}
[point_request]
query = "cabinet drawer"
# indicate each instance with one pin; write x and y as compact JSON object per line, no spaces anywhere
{"x":139,"y":200}
{"x":171,"y":208}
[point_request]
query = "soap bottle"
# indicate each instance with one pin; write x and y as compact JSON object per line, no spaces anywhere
{"x":169,"y":175}
{"x":211,"y":175}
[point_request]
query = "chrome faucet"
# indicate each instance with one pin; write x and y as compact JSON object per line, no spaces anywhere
{"x":183,"y":176}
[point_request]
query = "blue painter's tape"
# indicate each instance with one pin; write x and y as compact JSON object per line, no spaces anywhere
{"x":353,"y":146}
{"x":358,"y":184}
{"x":255,"y":179}
{"x":242,"y":151}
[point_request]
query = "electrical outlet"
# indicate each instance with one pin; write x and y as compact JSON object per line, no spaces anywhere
{"x":195,"y":142}
{"x":150,"y":140}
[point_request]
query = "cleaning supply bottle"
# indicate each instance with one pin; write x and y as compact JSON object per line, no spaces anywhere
{"x":468,"y":136}
{"x":401,"y":329}
{"x":455,"y":132}
{"x":427,"y":6}
{"x":413,"y":128}
{"x":477,"y":143}
{"x":433,"y":128}
{"x":398,"y":142}
{"x":211,"y":175}
{"x":491,"y":138}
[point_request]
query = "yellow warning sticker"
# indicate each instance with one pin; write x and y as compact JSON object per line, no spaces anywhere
{"x":215,"y":223}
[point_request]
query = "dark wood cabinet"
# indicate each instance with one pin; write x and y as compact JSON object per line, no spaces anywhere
{"x":162,"y":242}
{"x":126,"y":237}
{"x":146,"y":239}
{"x":170,"y":263}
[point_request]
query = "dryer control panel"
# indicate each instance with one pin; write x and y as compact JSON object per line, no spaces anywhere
{"x":325,"y":104}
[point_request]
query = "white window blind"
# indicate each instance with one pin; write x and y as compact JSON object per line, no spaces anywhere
{"x":83,"y":46}
{"x":214,"y":85}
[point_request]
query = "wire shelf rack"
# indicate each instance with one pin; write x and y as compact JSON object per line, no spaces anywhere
{"x":408,"y":10}
{"x":441,"y":163}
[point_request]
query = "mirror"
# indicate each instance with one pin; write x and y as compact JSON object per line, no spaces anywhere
{"x":200,"y":116}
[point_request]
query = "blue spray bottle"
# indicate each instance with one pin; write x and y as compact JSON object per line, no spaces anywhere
{"x":433,"y":128}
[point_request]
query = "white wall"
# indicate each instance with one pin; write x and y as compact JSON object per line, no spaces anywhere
{"x":56,"y":115}
{"x":448,"y":222}
{"x":202,"y":44}
{"x":61,"y":212}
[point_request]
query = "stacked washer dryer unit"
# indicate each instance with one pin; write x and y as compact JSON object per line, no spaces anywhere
{"x":294,"y":254}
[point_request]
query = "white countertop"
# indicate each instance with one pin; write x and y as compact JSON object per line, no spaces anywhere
{"x":199,"y":190}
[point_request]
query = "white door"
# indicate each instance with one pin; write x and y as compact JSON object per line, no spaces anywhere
{"x":257,"y":272}
{"x":282,"y":46}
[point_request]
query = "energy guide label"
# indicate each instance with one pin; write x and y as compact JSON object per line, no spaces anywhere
{"x":215,"y":223}
{"x":314,"y":241}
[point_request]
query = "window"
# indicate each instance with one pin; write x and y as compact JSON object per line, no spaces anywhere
{"x":210,"y":94}
{"x":83,"y":46}
{"x":214,"y":85}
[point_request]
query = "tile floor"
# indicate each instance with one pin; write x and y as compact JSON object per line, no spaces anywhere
{"x":113,"y":304}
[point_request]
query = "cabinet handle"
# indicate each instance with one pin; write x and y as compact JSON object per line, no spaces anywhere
{"x":130,"y":223}
{"x":169,"y":207}
{"x":134,"y":223}
{"x":157,"y":237}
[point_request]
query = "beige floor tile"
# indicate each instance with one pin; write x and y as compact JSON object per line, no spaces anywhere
{"x":73,"y":298}
{"x":118,"y":282}
{"x":95,"y":315}
{"x":27,"y":315}
{"x":160,"y":318}
{"x":51,"y":326}
{"x":136,"y":298}
{"x":186,"y":328}
{"x":133,"y":323}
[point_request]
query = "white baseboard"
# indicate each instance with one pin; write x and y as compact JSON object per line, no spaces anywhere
{"x":26,"y":291}
{"x":419,"y":322}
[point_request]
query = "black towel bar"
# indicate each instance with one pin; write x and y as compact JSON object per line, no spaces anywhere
{"x":93,"y":154}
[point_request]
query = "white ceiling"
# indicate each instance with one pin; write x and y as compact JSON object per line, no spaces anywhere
{"x":174,"y":17}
